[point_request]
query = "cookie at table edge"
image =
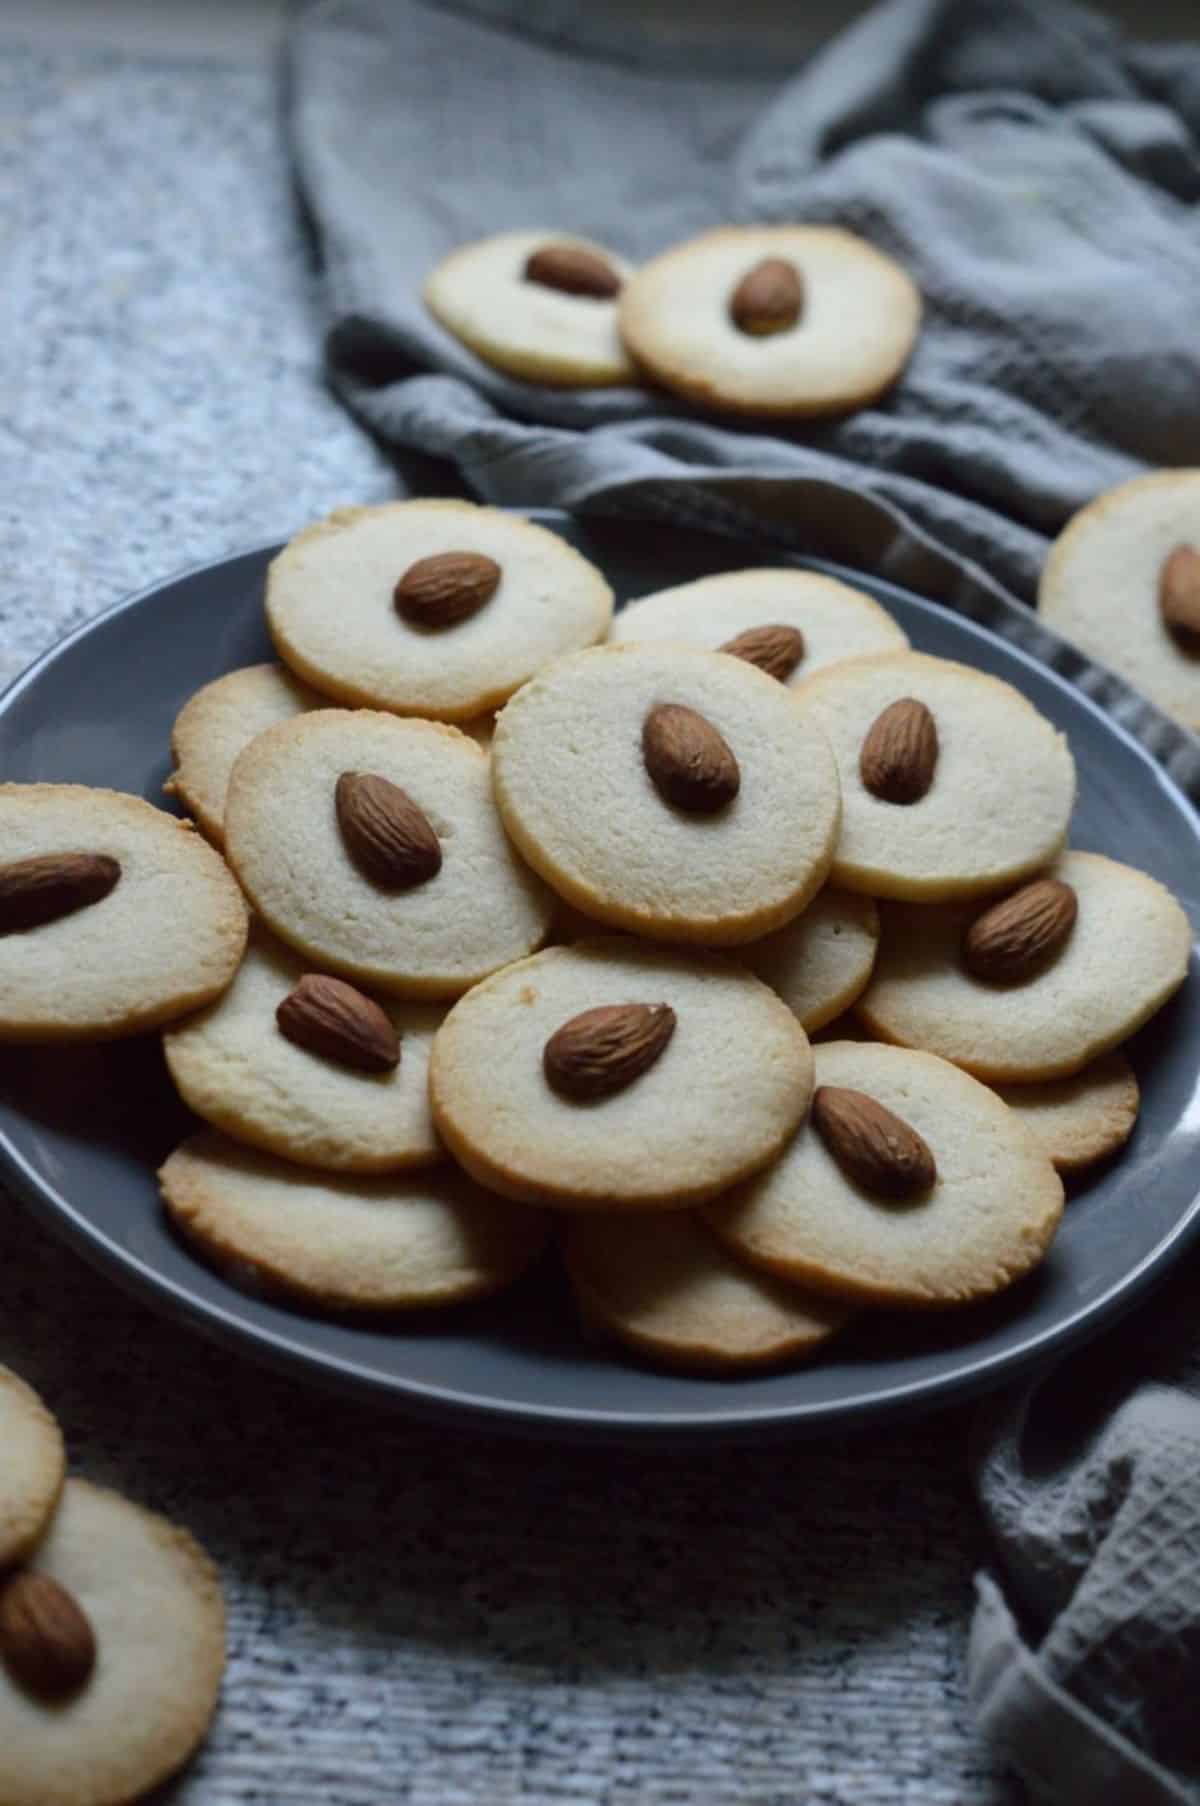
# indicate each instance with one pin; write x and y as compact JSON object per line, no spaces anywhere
{"x":27,"y":1497}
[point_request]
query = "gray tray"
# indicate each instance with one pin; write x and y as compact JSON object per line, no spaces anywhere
{"x":98,"y":709}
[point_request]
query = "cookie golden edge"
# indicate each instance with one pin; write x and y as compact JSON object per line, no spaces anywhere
{"x":341,"y":694}
{"x":23,"y":1527}
{"x":187,"y":753}
{"x":1111,"y":1127}
{"x":705,"y":394}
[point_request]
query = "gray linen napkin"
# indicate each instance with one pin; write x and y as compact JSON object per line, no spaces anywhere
{"x":1041,"y":179}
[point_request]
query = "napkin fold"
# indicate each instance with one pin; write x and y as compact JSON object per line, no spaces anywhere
{"x":1040,"y":178}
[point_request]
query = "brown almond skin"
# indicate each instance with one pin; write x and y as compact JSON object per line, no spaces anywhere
{"x":446,"y":588}
{"x":773,"y":647}
{"x":768,"y":299}
{"x":900,"y":752}
{"x":1018,"y":937}
{"x":1179,"y":596}
{"x":329,"y":1017}
{"x":388,"y":837}
{"x":573,"y":270}
{"x":873,"y":1146}
{"x":603,"y":1050}
{"x":46,"y":1641}
{"x":689,"y":763}
{"x":50,"y":885}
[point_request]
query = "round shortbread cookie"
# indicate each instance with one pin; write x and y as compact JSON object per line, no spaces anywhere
{"x":216,"y":723}
{"x":234,"y":1067}
{"x":822,"y":961}
{"x":835,"y":621}
{"x":408,"y":1241}
{"x":576,"y":797}
{"x":855,"y":329}
{"x":1002,"y":792}
{"x":153,"y":1600}
{"x":663,"y":1284}
{"x":32,"y":1466}
{"x":988,"y":1218}
{"x":482,"y":295}
{"x":481,"y":910}
{"x":1127,"y":952}
{"x":1081,"y":1120}
{"x":332,"y":615}
{"x":1100,"y":585}
{"x":719,"y":1101}
{"x":167,"y":938}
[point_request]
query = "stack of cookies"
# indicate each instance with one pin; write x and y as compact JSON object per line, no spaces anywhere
{"x":735,"y":812}
{"x":772,"y":321}
{"x":112,"y":1628}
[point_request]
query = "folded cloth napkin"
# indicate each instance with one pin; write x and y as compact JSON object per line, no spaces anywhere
{"x":1041,"y":180}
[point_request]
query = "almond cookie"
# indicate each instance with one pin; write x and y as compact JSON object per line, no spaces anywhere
{"x":136,"y":1667}
{"x":440,"y":609}
{"x":772,"y":319}
{"x":312,"y":1101}
{"x":822,"y":961}
{"x":458,"y":903}
{"x":32,"y":1468}
{"x":667,"y":790}
{"x":410,"y":1241}
{"x":1081,"y":1120}
{"x":114,"y":916}
{"x":539,"y":305}
{"x":789,"y":623}
{"x":617,"y":1075}
{"x":836,"y":1212}
{"x":952,"y":784}
{"x":666,"y":1286}
{"x":215,"y":724}
{"x":1126,"y":951}
{"x":1123,"y":582}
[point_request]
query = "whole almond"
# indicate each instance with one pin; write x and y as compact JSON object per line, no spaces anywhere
{"x":386,"y":834}
{"x":574,"y":270}
{"x":688,"y":761}
{"x":446,"y":588}
{"x":900,"y":752}
{"x":872,"y":1145}
{"x":1016,"y":938}
{"x":768,"y":298}
{"x":1179,"y":596}
{"x":774,"y":648}
{"x":326,"y":1016}
{"x":50,"y":885}
{"x":46,"y":1641}
{"x":605,"y":1049}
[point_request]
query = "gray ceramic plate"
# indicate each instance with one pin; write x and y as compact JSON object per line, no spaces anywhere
{"x":81,"y":1133}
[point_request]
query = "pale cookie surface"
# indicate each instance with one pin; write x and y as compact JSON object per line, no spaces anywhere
{"x":1002,"y":791}
{"x":331,"y":610}
{"x":153,"y":1600}
{"x":836,"y":622}
{"x":987,"y":1219}
{"x":216,"y":723}
{"x":481,"y":295}
{"x":234,"y":1067}
{"x":855,"y":330}
{"x":719,"y":1102}
{"x":167,"y":938}
{"x":666,"y":1286}
{"x":408,"y":1241}
{"x":1081,"y":1120}
{"x":32,"y":1466}
{"x":1127,"y":952}
{"x":481,"y":910}
{"x":573,"y":788}
{"x":1100,"y":585}
{"x":822,"y":961}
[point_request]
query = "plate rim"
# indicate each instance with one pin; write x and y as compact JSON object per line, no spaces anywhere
{"x":286,"y":1353}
